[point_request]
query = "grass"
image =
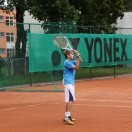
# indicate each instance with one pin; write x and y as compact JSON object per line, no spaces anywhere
{"x":101,"y":72}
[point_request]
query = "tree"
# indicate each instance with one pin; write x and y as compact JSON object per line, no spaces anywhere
{"x":43,"y":10}
{"x":128,"y":5}
{"x":55,"y":14}
{"x":20,"y":6}
{"x":96,"y":13}
{"x":99,"y":13}
{"x":53,"y":10}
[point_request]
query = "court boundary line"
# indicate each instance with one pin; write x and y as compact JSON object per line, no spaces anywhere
{"x":81,"y":104}
{"x":19,"y":107}
{"x":108,"y":100}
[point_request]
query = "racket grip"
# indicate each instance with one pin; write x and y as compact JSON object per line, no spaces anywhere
{"x":78,"y":54}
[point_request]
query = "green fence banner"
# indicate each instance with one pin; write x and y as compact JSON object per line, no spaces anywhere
{"x":95,"y":50}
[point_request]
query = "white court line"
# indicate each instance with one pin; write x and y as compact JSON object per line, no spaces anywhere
{"x":116,"y":106}
{"x":101,"y":100}
{"x":26,"y":106}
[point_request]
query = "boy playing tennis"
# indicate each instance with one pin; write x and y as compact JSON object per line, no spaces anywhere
{"x":70,"y":67}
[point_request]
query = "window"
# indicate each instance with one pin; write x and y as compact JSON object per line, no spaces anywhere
{"x":10,"y":53}
{"x":1,"y":18}
{"x":2,"y":51}
{"x":9,"y":21}
{"x":2,"y":34}
{"x":10,"y":37}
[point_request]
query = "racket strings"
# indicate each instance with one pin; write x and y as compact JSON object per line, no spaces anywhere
{"x":60,"y":42}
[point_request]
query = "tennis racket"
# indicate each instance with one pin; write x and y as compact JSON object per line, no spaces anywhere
{"x":62,"y":42}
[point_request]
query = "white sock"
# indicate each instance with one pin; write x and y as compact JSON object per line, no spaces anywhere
{"x":67,"y":114}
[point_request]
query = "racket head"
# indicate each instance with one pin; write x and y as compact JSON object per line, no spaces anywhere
{"x":62,"y":42}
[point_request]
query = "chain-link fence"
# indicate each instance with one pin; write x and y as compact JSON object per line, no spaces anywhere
{"x":14,"y":76}
{"x":13,"y":36}
{"x":14,"y":71}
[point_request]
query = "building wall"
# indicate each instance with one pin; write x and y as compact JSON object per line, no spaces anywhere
{"x":125,"y":24}
{"x":35,"y":25}
{"x":29,"y":24}
{"x":7,"y":29}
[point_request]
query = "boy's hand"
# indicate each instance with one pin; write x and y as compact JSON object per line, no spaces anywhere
{"x":75,"y":51}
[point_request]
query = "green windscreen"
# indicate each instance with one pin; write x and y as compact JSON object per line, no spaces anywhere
{"x":95,"y":50}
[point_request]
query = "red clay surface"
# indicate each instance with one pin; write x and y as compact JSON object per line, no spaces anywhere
{"x":102,"y":106}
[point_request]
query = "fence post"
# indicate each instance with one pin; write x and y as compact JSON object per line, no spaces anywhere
{"x":90,"y":72}
{"x":31,"y":79}
{"x":114,"y":70}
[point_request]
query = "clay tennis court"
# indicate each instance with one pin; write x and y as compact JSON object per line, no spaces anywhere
{"x":103,"y":105}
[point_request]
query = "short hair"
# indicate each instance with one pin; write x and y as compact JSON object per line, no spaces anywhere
{"x":67,"y":52}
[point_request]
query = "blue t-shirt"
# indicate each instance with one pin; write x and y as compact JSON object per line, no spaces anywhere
{"x":69,"y":72}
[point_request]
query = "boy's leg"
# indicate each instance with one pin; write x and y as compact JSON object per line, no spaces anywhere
{"x":67,"y":118}
{"x":69,"y":98}
{"x":69,"y":106}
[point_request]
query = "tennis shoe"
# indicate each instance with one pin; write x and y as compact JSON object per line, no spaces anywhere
{"x":69,"y":120}
{"x":72,"y":119}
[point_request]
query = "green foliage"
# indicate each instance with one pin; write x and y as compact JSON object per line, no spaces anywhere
{"x":53,"y":10}
{"x":99,"y":13}
{"x":128,"y":5}
{"x":60,"y":27}
{"x":56,"y":14}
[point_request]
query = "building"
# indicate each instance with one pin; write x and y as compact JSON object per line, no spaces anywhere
{"x":124,"y":25}
{"x":33,"y":24}
{"x":7,"y":33}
